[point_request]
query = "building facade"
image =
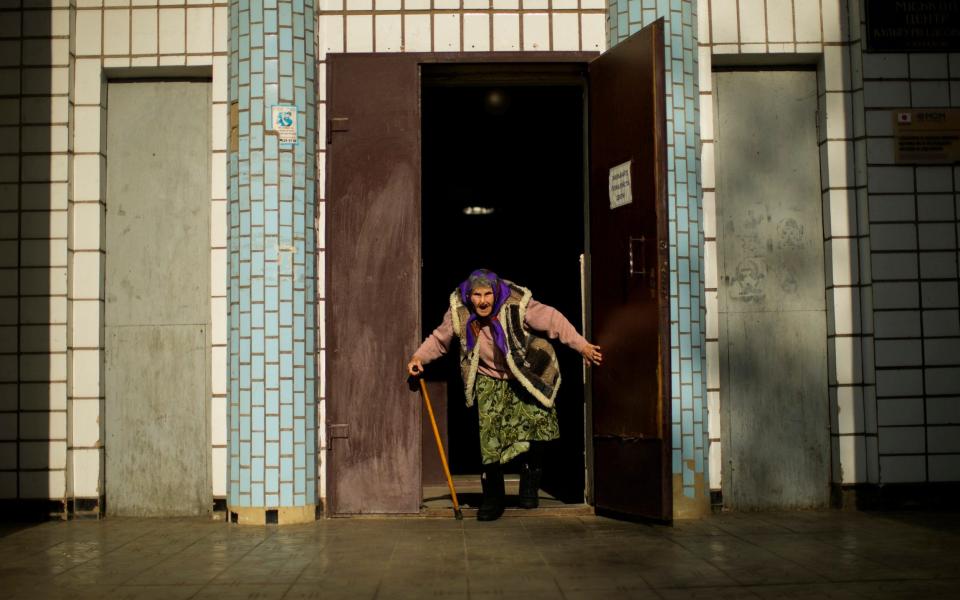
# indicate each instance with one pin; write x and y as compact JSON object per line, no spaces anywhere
{"x":822,"y":264}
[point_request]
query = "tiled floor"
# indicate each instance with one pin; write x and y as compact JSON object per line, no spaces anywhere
{"x":437,"y":501}
{"x":828,"y":554}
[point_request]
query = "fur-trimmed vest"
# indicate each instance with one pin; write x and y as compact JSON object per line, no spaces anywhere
{"x":531,"y":358}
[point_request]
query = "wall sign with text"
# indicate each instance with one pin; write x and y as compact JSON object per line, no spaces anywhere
{"x":926,"y":136}
{"x":621,"y":192}
{"x":912,"y":25}
{"x":284,"y":122}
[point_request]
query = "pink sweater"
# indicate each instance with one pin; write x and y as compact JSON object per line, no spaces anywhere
{"x":539,"y":317}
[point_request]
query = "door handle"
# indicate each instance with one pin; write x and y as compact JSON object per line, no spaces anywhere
{"x":633,"y":270}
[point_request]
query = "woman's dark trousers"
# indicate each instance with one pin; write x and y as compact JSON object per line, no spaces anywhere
{"x":531,"y":471}
{"x":494,"y":501}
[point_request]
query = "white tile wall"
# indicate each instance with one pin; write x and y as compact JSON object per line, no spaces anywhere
{"x":116,"y":27}
{"x":141,"y":35}
{"x":807,"y":21}
{"x":43,"y":425}
{"x":566,"y":31}
{"x":944,"y":468}
{"x":942,"y":380}
{"x":144,"y":31}
{"x":42,"y":484}
{"x":417,"y":34}
{"x":476,"y":32}
{"x":446,"y":33}
{"x":359,"y":33}
{"x":87,"y":469}
{"x":8,"y":455}
{"x":847,"y":169}
{"x":88,"y":26}
{"x":199,"y":30}
{"x":171,"y":30}
{"x":536,"y":31}
{"x":723,"y":22}
{"x":506,"y":31}
{"x":752,"y":22}
{"x":71,"y":235}
{"x":880,"y":94}
{"x":852,"y":453}
{"x":929,"y":94}
{"x":388,"y":33}
{"x":834,"y":20}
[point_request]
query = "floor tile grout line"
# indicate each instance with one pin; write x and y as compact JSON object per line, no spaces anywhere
{"x":756,"y":545}
{"x":825,"y":578}
{"x":165,"y":559}
{"x":245,"y":554}
{"x":24,"y":531}
{"x":128,"y":542}
{"x":59,"y":543}
{"x":296,"y":579}
{"x":725,"y":573}
{"x":874,"y":518}
{"x":543,"y":558}
{"x":393,"y":551}
{"x":744,"y":546}
{"x":466,"y":556}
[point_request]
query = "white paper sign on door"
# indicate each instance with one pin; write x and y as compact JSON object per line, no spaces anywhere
{"x":621,"y":192}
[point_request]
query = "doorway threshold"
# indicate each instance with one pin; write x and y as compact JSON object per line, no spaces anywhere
{"x":437,"y":502}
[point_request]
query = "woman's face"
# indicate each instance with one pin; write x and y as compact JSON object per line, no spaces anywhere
{"x":482,"y":300}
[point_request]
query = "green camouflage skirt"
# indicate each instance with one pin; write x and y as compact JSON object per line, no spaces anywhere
{"x":510,"y":418}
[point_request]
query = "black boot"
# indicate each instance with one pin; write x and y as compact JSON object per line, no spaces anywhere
{"x":492,"y":506}
{"x":530,"y":472}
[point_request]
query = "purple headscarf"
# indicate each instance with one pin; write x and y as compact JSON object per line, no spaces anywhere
{"x":501,"y":291}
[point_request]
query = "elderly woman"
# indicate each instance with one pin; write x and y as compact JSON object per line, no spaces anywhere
{"x":512,"y":372}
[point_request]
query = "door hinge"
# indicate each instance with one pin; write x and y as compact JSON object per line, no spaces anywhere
{"x":337,"y":430}
{"x":338,"y":125}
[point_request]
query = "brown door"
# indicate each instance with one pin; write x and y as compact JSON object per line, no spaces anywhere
{"x":373,"y":283}
{"x":629,"y":281}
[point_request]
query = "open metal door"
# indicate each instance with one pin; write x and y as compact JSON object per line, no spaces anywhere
{"x":373,"y":283}
{"x":629,"y":280}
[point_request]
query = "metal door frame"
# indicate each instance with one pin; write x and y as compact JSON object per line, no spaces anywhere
{"x":461,"y":59}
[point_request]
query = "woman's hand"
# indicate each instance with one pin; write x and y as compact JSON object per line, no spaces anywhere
{"x":415,"y":366}
{"x":591,"y":355}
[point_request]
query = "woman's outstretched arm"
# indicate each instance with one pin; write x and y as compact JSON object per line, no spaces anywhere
{"x":436,"y":345}
{"x":554,"y":325}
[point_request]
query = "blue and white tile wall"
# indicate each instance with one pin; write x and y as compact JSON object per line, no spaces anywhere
{"x":271,"y":270}
{"x":687,"y":306}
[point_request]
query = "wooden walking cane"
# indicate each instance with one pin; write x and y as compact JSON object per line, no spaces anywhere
{"x":443,"y":456}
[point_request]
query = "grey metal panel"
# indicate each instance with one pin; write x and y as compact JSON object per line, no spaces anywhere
{"x":157,"y":287}
{"x":156,"y":421}
{"x":158,"y":199}
{"x":773,"y":356}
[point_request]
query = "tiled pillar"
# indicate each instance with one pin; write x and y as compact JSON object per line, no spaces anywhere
{"x":691,"y":490}
{"x":271,"y":274}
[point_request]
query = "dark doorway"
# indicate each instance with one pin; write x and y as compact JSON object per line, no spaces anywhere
{"x":503,"y":189}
